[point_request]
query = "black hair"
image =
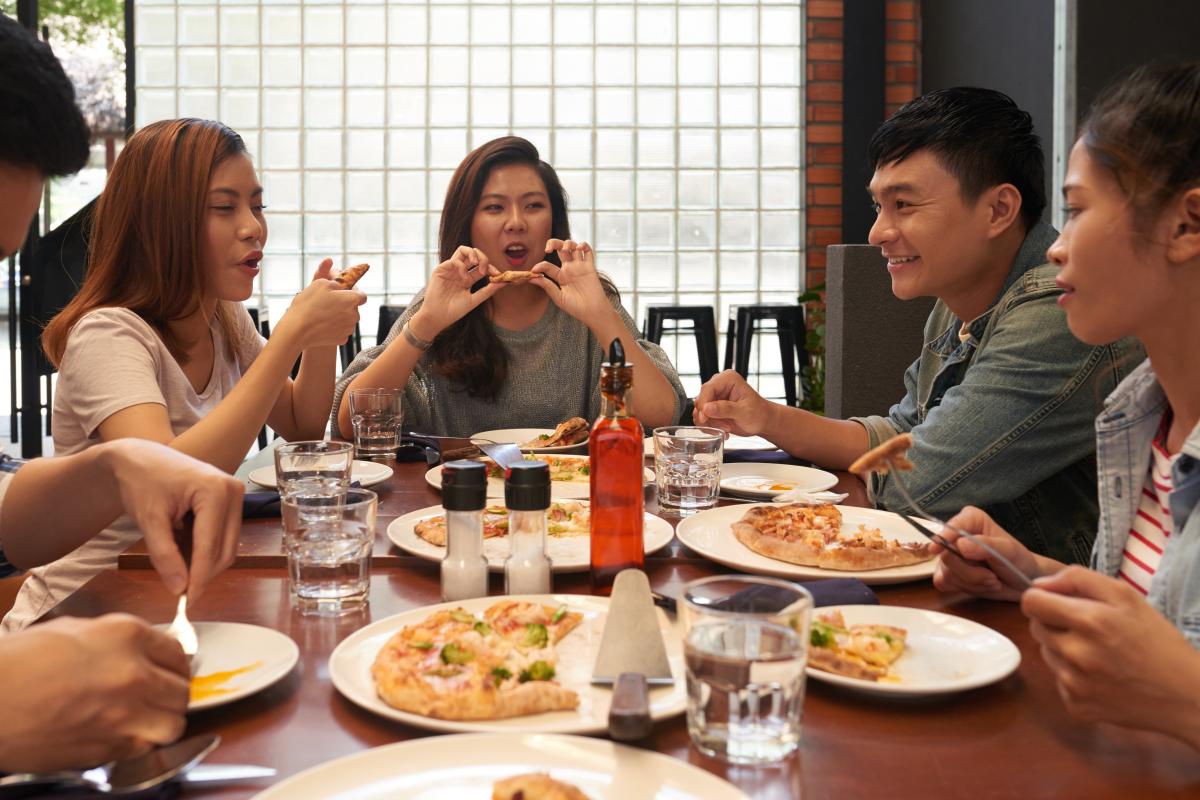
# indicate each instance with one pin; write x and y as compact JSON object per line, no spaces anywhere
{"x":1145,"y":129}
{"x":979,"y":136}
{"x":40,"y":125}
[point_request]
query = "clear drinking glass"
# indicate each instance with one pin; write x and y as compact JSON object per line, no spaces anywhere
{"x":746,"y":644}
{"x":328,"y":541}
{"x":316,"y":467}
{"x":687,"y":464}
{"x":376,"y":416}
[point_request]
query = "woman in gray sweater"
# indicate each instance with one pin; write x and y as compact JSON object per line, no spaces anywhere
{"x":512,"y":326}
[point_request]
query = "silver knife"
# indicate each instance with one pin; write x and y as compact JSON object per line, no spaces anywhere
{"x":632,"y":655}
{"x":225,"y":773}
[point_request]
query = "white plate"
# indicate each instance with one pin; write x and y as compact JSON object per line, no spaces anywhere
{"x":519,"y":436}
{"x":559,"y":490}
{"x":350,"y":670}
{"x":266,"y":655}
{"x":754,"y":480}
{"x":366,"y":473}
{"x":710,"y":534}
{"x":732,"y":442}
{"x":942,"y":653}
{"x":567,"y":553}
{"x":466,"y":766}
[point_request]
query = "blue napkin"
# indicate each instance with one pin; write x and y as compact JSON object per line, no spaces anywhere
{"x":762,"y":599}
{"x":762,"y":457}
{"x":418,"y":448}
{"x":265,"y":504}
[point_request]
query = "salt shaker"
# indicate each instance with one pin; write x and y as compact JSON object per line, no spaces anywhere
{"x":464,"y":494}
{"x":527,"y":495}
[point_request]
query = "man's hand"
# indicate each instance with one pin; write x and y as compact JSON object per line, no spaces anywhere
{"x":1115,"y":658}
{"x":982,"y":575}
{"x":727,"y":402}
{"x":158,"y":486}
{"x":82,"y":692}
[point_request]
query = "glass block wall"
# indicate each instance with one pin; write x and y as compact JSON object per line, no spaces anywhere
{"x":674,"y":126}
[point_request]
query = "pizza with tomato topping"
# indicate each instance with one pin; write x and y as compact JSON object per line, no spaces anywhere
{"x":564,"y":518}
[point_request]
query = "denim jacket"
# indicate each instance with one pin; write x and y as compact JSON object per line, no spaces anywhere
{"x":1005,"y":419}
{"x":1124,"y":432}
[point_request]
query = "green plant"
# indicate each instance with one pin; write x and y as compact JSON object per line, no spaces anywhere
{"x":812,"y":374}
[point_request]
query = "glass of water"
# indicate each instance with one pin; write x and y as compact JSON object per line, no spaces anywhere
{"x":316,"y":467}
{"x":687,"y":465}
{"x":376,"y":416}
{"x":328,"y":540}
{"x":746,"y":644}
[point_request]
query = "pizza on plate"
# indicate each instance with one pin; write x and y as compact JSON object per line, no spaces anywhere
{"x":866,"y":652}
{"x":563,"y":518}
{"x":535,"y":786}
{"x":573,"y":431}
{"x":573,"y":469}
{"x":454,"y":665}
{"x":812,"y":536}
{"x":350,"y":275}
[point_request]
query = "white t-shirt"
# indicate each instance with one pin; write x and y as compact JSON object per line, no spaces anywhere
{"x":115,"y":360}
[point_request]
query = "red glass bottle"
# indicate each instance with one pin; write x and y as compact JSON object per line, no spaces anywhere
{"x":616,"y":463}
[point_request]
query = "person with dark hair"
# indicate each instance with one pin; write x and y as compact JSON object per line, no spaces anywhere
{"x":82,"y":692}
{"x":474,"y":352}
{"x":1123,"y":639}
{"x":1000,"y":400}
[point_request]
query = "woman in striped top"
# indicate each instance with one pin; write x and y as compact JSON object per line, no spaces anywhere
{"x":1123,"y":639}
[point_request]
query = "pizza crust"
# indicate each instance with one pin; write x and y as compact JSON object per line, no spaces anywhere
{"x":350,"y":275}
{"x":535,"y":786}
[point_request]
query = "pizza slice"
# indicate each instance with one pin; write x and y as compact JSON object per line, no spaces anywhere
{"x":513,"y":276}
{"x":535,"y":786}
{"x":573,"y":431}
{"x":531,"y":625}
{"x":889,"y":455}
{"x":795,"y":532}
{"x":866,"y":652}
{"x":867,"y":548}
{"x":350,"y":275}
{"x":563,"y":518}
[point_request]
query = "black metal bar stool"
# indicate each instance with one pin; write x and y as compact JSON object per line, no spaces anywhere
{"x":704,"y":328}
{"x":789,"y":328}
{"x":388,"y":314}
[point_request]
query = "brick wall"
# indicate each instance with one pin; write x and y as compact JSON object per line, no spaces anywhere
{"x":823,"y":111}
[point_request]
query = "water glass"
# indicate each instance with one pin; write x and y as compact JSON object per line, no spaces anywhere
{"x":316,"y":467}
{"x":746,"y":644}
{"x":687,"y":464}
{"x":376,"y":416}
{"x":328,"y":540}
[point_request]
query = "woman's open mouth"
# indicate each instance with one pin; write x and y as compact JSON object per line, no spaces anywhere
{"x":516,"y":254}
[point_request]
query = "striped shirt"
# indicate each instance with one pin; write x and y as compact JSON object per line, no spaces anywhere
{"x":1152,"y":524}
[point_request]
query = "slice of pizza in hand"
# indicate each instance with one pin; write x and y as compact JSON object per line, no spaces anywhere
{"x":889,"y":455}
{"x":350,"y":275}
{"x":513,"y":276}
{"x":866,"y":652}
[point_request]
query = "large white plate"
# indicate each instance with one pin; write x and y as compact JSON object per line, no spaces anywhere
{"x":755,"y":480}
{"x":466,"y":766}
{"x":366,"y":473}
{"x":519,"y":436}
{"x":559,"y":490}
{"x":350,"y":670}
{"x":710,"y":534}
{"x":266,"y":655}
{"x":732,"y":442}
{"x":567,"y":553}
{"x":943,"y":653}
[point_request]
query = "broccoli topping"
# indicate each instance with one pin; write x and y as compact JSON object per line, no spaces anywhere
{"x":458,"y":615}
{"x":500,"y":674}
{"x":422,"y":645}
{"x":536,"y":635}
{"x":482,"y":628}
{"x":559,"y":614}
{"x":453,"y":654}
{"x":537,"y":671}
{"x":821,"y":636}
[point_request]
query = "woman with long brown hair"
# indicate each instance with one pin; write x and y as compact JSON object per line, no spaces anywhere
{"x":473,"y":354}
{"x":157,"y":345}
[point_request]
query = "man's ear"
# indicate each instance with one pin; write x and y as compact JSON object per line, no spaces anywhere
{"x":1183,"y":238}
{"x":1004,"y":208}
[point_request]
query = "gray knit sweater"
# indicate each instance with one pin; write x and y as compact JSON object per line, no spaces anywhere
{"x":553,"y":375}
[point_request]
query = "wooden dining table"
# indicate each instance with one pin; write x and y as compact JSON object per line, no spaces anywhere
{"x":1012,"y":739}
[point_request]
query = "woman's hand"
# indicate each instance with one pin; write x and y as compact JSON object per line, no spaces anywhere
{"x":981,"y":574}
{"x":579,"y":291}
{"x":448,"y":296}
{"x":1114,"y":658}
{"x":324,"y":314}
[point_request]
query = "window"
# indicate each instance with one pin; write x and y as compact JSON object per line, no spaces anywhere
{"x":675,"y":128}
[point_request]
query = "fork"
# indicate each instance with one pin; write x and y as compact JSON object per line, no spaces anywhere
{"x":181,"y":630}
{"x":940,"y":540}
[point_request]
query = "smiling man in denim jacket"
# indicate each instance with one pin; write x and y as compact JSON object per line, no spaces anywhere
{"x":1002,"y":398}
